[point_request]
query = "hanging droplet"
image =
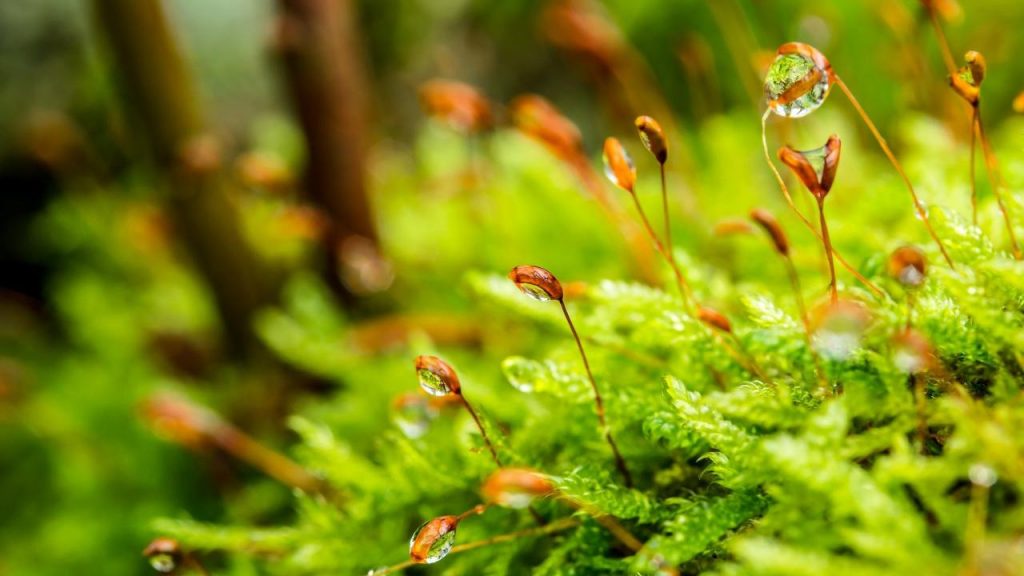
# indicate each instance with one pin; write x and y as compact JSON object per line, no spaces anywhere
{"x":798,"y":81}
{"x":838,"y":329}
{"x":413,"y":413}
{"x":516,"y":487}
{"x":436,"y":377}
{"x":911,"y":352}
{"x":163,"y":554}
{"x":652,"y":137}
{"x":618,"y":165}
{"x":982,"y":475}
{"x":908,"y":265}
{"x":536,"y":282}
{"x":523,"y":373}
{"x":433,"y":540}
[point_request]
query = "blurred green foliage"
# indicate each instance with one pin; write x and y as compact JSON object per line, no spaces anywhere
{"x":748,"y":477}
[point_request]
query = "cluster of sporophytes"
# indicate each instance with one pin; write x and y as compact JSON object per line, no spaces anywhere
{"x":871,"y":429}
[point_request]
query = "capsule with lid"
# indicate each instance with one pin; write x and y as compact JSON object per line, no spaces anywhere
{"x":536,"y":282}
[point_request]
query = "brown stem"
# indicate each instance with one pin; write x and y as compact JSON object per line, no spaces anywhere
{"x":992,"y":166}
{"x":665,"y":215}
{"x":794,"y":281}
{"x":160,"y":90}
{"x":272,"y":463}
{"x":896,"y":164}
{"x":317,"y":42}
{"x":620,"y":462}
{"x":789,"y":200}
{"x":483,"y":431}
{"x":974,"y":183}
{"x":919,"y":403}
{"x":947,"y":54}
{"x":556,"y":526}
{"x":193,"y":563}
{"x":684,"y":287}
{"x":827,"y":243}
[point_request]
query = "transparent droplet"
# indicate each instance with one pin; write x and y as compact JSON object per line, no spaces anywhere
{"x":432,"y":383}
{"x":413,"y":413}
{"x":908,"y":360}
{"x":163,"y":563}
{"x":982,"y":475}
{"x":439,"y":545}
{"x":377,"y":570}
{"x":535,"y":292}
{"x":816,"y":158}
{"x":523,"y":373}
{"x":799,"y":72}
{"x":617,"y":178}
{"x":840,"y":330}
{"x":910,"y":276}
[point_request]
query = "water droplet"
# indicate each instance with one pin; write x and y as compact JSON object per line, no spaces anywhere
{"x":436,"y":377}
{"x":795,"y":86}
{"x":536,"y":282}
{"x":839,"y":328}
{"x":523,"y":373}
{"x":412,"y":413}
{"x":433,"y":540}
{"x":432,"y":383}
{"x":618,"y":165}
{"x":982,"y":475}
{"x":163,"y":563}
{"x":535,"y":292}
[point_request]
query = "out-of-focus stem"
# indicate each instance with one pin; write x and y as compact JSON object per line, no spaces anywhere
{"x":827,"y":243}
{"x":921,"y":212}
{"x":684,"y":286}
{"x":483,"y":431}
{"x":317,"y":42}
{"x":789,"y":200}
{"x":794,"y":281}
{"x":160,"y":89}
{"x":992,"y":165}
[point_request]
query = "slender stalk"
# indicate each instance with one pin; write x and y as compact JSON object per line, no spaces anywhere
{"x":827,"y":243}
{"x":274,"y":464}
{"x":556,"y":526}
{"x":896,"y":164}
{"x":919,"y":404}
{"x":947,"y":54}
{"x":665,"y":215}
{"x":974,"y":183}
{"x":194,"y":564}
{"x":684,"y":287}
{"x":794,"y":281}
{"x":977,"y":519}
{"x":483,"y":431}
{"x":620,"y":462}
{"x":992,"y":165}
{"x":789,"y":200}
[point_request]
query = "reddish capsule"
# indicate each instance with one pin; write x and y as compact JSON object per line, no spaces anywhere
{"x":436,"y":376}
{"x":536,"y":282}
{"x":515,"y":487}
{"x":767,"y":221}
{"x":815,"y":168}
{"x":618,"y":165}
{"x":908,"y":265}
{"x":433,"y":540}
{"x":164,"y":554}
{"x":653,"y":137}
{"x":714,"y":318}
{"x":460,"y":105}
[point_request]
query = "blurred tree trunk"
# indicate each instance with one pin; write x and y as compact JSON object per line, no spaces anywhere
{"x":317,"y":42}
{"x":159,"y":89}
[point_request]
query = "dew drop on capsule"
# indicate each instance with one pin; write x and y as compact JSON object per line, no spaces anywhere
{"x":163,"y":563}
{"x":432,"y":383}
{"x":619,"y":171}
{"x":795,"y":86}
{"x":432,"y":541}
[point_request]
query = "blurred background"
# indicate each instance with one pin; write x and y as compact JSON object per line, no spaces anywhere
{"x":248,"y":204}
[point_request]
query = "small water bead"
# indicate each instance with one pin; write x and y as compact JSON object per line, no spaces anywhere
{"x":618,"y":165}
{"x":436,"y":377}
{"x":536,"y":282}
{"x":908,"y":265}
{"x":839,"y":328}
{"x":795,"y":85}
{"x":413,"y":413}
{"x":912,"y":353}
{"x":522,"y":373}
{"x":163,"y":563}
{"x":432,"y":541}
{"x":982,"y":475}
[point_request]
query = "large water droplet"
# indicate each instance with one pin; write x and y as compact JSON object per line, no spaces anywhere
{"x":982,"y":475}
{"x":840,"y":329}
{"x":534,"y":291}
{"x":794,"y":86}
{"x":432,"y":383}
{"x":433,"y":540}
{"x":163,"y":563}
{"x":523,"y":373}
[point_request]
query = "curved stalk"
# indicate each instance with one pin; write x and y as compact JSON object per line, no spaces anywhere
{"x":992,"y":166}
{"x":789,"y":200}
